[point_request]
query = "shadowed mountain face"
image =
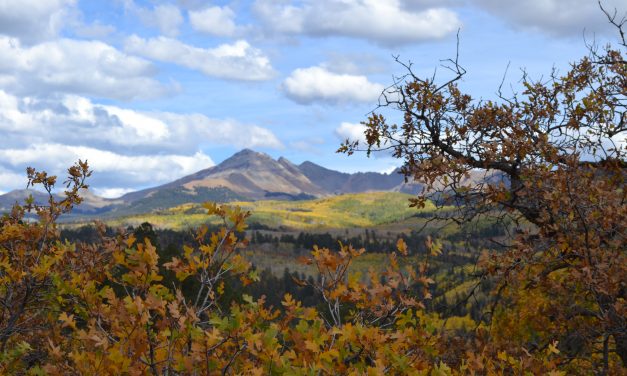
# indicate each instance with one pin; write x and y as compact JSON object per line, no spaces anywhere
{"x":247,"y":175}
{"x":335,"y":182}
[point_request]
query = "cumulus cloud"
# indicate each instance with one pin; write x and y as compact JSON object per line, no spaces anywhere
{"x":555,"y":17}
{"x":351,"y":132}
{"x":130,"y":148}
{"x":227,"y":132}
{"x":236,"y":61}
{"x":10,"y":178}
{"x":73,"y":66}
{"x":107,"y":165}
{"x":93,"y":30}
{"x":165,"y":17}
{"x":111,"y":192}
{"x":34,"y":20}
{"x":216,"y":20}
{"x":383,"y":22}
{"x":317,"y":84}
{"x":75,"y":120}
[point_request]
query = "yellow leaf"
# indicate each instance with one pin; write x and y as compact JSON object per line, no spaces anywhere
{"x":130,"y":241}
{"x":329,"y":356}
{"x":553,"y":348}
{"x":68,"y":321}
{"x":312,"y":346}
{"x":401,"y":246}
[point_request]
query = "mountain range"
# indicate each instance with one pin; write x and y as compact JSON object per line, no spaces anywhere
{"x":245,"y":176}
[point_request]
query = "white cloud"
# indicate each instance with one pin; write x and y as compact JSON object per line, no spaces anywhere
{"x":389,"y":169}
{"x":351,"y":132}
{"x":143,"y":127}
{"x":34,"y":20}
{"x":75,"y":120}
{"x":12,"y":179}
{"x":236,"y":61}
{"x":168,"y":18}
{"x":127,"y":148}
{"x":383,"y":22}
{"x":107,"y":165}
{"x":214,"y":20}
{"x":317,"y":84}
{"x":229,"y":132}
{"x":93,"y":30}
{"x":78,"y":67}
{"x":112,"y":192}
{"x":556,"y":17}
{"x":165,"y":17}
{"x":422,"y":4}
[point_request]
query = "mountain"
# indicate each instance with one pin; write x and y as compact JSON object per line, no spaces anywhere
{"x":245,"y":176}
{"x":19,"y":196}
{"x":92,"y":204}
{"x":340,"y":182}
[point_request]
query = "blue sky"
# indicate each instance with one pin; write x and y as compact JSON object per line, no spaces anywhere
{"x":149,"y":91}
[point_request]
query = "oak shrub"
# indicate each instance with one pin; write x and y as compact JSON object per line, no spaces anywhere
{"x":549,"y":158}
{"x":102,"y":308}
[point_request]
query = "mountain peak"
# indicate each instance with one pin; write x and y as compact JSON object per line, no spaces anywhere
{"x":245,"y":151}
{"x":245,"y":158}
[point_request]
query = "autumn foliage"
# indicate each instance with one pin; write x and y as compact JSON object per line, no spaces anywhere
{"x":554,"y":163}
{"x":103,"y":309}
{"x":552,"y":158}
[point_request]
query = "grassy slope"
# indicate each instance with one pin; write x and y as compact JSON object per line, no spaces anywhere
{"x":350,"y":210}
{"x":344,"y":211}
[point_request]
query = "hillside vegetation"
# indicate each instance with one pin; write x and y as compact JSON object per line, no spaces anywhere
{"x":348,"y":210}
{"x":342,"y":211}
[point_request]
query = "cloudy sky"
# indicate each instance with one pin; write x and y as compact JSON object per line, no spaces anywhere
{"x":149,"y":91}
